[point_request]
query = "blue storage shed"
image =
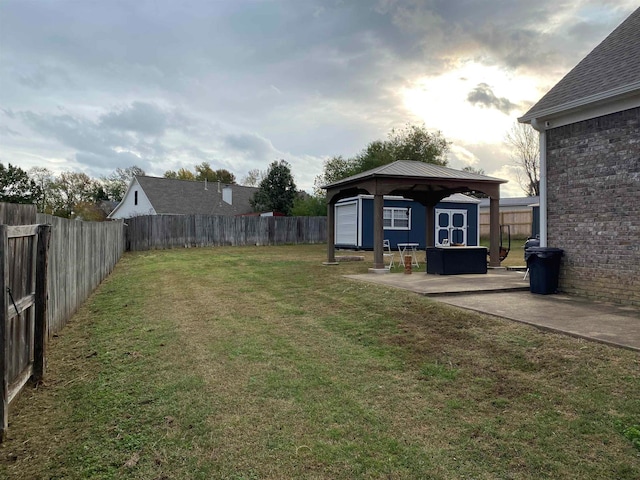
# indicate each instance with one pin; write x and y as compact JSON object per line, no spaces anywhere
{"x":457,"y":222}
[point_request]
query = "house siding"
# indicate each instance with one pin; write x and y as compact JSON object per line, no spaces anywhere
{"x":593,"y":205}
{"x":417,"y":233}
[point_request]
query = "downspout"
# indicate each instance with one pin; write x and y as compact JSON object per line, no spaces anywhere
{"x":540,"y":127}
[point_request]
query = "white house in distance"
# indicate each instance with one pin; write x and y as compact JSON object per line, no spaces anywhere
{"x":167,"y":196}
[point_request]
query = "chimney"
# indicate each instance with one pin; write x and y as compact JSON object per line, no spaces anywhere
{"x":227,"y":194}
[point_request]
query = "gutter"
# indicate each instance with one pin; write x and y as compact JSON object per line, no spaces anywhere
{"x":540,"y":127}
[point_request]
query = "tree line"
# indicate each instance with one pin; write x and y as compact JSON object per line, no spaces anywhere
{"x":72,"y":194}
{"x":76,"y":195}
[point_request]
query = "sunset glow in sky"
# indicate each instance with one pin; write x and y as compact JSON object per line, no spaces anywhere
{"x":96,"y":85}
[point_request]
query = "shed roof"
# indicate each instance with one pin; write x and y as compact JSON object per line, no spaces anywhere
{"x":186,"y":197}
{"x":611,"y":70}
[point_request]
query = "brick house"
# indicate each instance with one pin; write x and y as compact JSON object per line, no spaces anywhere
{"x":589,"y":126}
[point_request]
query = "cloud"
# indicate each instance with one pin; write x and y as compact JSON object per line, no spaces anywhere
{"x":141,"y":117}
{"x":4,"y":130}
{"x":250,"y":144}
{"x":239,"y":84}
{"x":483,"y":95}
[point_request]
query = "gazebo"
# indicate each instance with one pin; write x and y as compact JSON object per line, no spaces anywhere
{"x":423,"y":182}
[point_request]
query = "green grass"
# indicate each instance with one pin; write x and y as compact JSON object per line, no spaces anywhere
{"x":260,"y":363}
{"x":515,"y":258}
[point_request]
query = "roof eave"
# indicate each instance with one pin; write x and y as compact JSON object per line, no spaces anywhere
{"x":575,"y":105}
{"x":340,"y":183}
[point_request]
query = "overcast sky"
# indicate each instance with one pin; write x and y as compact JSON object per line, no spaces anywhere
{"x":93,"y":85}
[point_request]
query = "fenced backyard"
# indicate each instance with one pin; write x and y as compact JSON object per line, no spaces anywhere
{"x":254,"y":362}
{"x":82,"y":254}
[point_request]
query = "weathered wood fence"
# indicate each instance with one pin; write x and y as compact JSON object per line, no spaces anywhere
{"x":23,"y":307}
{"x":520,"y":223}
{"x":180,"y":231}
{"x":80,"y":256}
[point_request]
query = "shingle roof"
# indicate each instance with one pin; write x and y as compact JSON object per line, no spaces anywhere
{"x":412,"y":169}
{"x":611,"y":69}
{"x":185,"y":197}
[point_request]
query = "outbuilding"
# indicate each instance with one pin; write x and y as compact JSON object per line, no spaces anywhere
{"x":457,"y":222}
{"x":425,"y":183}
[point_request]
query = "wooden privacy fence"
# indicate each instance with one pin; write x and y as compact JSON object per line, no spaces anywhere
{"x":17,"y":214}
{"x":172,"y":231}
{"x":81,"y":256}
{"x":23,"y":310}
{"x":520,"y":223}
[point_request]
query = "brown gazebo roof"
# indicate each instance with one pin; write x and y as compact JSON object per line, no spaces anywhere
{"x":424,"y":182}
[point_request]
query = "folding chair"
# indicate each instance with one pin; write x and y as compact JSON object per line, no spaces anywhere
{"x":388,"y":253}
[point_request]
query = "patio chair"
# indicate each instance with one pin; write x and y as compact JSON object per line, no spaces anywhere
{"x":388,"y":253}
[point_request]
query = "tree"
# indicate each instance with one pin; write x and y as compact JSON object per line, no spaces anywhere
{"x":71,"y":189}
{"x":115,"y":185}
{"x":414,"y":142}
{"x":16,"y":186}
{"x":470,"y":169}
{"x":525,"y":154}
{"x":334,"y":169}
{"x":205,"y":172}
{"x":277,"y":191}
{"x":182,"y":174}
{"x":253,"y":178}
{"x":479,"y":171}
{"x":417,"y":143}
{"x":225,"y":176}
{"x":44,"y":179}
{"x":306,"y":205}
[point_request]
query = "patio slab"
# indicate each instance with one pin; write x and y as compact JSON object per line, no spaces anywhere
{"x":433,"y":285}
{"x":506,"y":295}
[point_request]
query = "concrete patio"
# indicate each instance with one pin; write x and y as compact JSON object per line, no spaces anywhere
{"x":505,"y":294}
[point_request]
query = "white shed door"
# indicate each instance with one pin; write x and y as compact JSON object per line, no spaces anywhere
{"x":451,"y":225}
{"x":347,"y":224}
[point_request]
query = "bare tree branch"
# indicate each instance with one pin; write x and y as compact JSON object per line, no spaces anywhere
{"x":525,"y":154}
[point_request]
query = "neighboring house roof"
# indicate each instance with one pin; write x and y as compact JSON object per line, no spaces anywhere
{"x":610,"y":71}
{"x":186,"y":197}
{"x":512,"y":202}
{"x":409,"y":169}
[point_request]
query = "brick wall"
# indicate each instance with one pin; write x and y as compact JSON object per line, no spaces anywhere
{"x":593,"y":172}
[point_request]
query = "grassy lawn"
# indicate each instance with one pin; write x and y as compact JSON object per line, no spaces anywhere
{"x":515,"y":258}
{"x":260,"y":363}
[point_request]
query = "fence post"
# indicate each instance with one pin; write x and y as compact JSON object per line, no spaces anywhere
{"x":4,"y":313}
{"x":41,"y":333}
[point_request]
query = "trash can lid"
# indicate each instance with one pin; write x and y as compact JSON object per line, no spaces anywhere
{"x":543,"y":252}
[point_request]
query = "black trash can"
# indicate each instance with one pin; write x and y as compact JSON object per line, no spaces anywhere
{"x":544,"y":268}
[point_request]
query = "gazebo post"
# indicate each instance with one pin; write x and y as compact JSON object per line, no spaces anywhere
{"x":331,"y":233}
{"x":378,"y":234}
{"x":431,"y":226}
{"x":494,"y":231}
